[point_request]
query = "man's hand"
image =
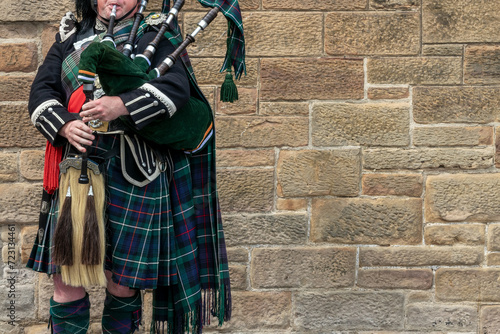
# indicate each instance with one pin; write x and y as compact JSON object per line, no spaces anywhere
{"x":78,"y":134}
{"x":107,"y":108}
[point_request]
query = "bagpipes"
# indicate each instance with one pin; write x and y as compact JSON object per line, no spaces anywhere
{"x":79,"y":239}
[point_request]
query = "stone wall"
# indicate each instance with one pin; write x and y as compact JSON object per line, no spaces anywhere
{"x":358,"y":172}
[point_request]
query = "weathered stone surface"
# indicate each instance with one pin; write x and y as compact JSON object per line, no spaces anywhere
{"x":494,"y":237}
{"x":303,"y":267}
{"x":449,"y":235}
{"x":283,"y":229}
{"x":291,"y":204}
{"x":394,"y":4}
{"x":243,"y":190}
{"x":245,"y":105}
{"x":9,"y":169}
{"x":209,"y":92}
{"x":245,"y":158}
{"x":457,"y":21}
{"x":327,"y":311}
{"x":476,"y":284}
{"x":372,"y":33}
{"x":207,"y":72}
{"x":15,"y":87}
{"x":10,"y":253}
{"x":237,"y":254}
{"x":37,"y":329}
{"x":420,"y":296}
{"x":329,"y":5}
{"x":393,"y":184}
{"x":34,"y":11}
{"x":381,"y":221}
{"x":260,"y":310}
{"x":19,"y":202}
{"x":16,"y":129}
{"x":266,"y":34}
{"x":283,"y":109}
{"x":31,"y":163}
{"x":420,"y":256}
{"x":493,"y":259}
{"x":297,"y":79}
{"x":319,"y":172}
{"x":367,"y":124}
{"x":18,"y":57}
{"x":419,"y":158}
{"x":388,"y":93}
{"x":453,"y":136}
{"x":238,"y":275}
{"x":463,"y":197}
{"x":489,"y":319}
{"x":45,"y":289}
{"x":442,"y":317}
{"x":442,"y":50}
{"x":261,"y":131}
{"x":415,"y":70}
{"x":482,"y":64}
{"x":20,"y":297}
{"x":28,"y":235}
{"x":415,"y":279}
{"x":456,"y":104}
{"x":20,"y":30}
{"x":497,"y":146}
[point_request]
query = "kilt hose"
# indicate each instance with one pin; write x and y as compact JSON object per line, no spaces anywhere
{"x":166,"y":236}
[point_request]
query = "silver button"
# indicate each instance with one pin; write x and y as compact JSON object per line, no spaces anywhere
{"x":155,"y":103}
{"x":51,"y":110}
{"x":144,"y":164}
{"x":147,"y":95}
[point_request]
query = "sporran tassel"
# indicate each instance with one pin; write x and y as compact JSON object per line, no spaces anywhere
{"x":63,"y":242}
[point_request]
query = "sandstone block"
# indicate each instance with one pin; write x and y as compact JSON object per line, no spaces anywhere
{"x":283,"y":229}
{"x":470,"y":235}
{"x":291,"y":204}
{"x":15,"y":87}
{"x":470,"y":197}
{"x":318,"y":172}
{"x":482,"y":64}
{"x":283,"y":109}
{"x":297,"y":79}
{"x":48,"y":37}
{"x":260,"y":310}
{"x":415,"y":70}
{"x":209,"y":92}
{"x":20,"y":30}
{"x":261,"y":131}
{"x":453,"y":136}
{"x":442,"y":50}
{"x":37,"y":329}
{"x":303,"y":267}
{"x":381,"y":221}
{"x":28,"y":236}
{"x":11,"y":253}
{"x":394,"y":4}
{"x":16,"y":129}
{"x":476,"y":285}
{"x":238,"y":275}
{"x":10,"y":233}
{"x":417,"y":256}
{"x":9,"y":169}
{"x":243,"y":190}
{"x":31,"y":163}
{"x":236,"y":254}
{"x":266,"y":34}
{"x":494,"y":237}
{"x":489,"y":319}
{"x":245,"y":158}
{"x":368,"y":124}
{"x":19,"y":202}
{"x":415,"y":279}
{"x":23,"y":298}
{"x":45,"y":292}
{"x":207,"y":72}
{"x":450,"y":21}
{"x":420,"y":296}
{"x":372,"y":33}
{"x":497,"y":146}
{"x":419,"y":158}
{"x":245,"y":105}
{"x":388,"y":93}
{"x":462,"y":104}
{"x":18,"y":57}
{"x":329,"y":5}
{"x":442,"y":317}
{"x":34,"y":11}
{"x":493,"y":259}
{"x":345,"y":310}
{"x":393,"y":184}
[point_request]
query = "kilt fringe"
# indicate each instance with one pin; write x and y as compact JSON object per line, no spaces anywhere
{"x":213,"y":303}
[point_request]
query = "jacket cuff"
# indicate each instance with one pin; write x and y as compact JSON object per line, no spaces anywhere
{"x":49,"y":117}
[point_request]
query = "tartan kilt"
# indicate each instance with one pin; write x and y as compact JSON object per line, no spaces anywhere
{"x":165,"y":234}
